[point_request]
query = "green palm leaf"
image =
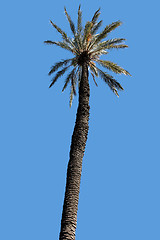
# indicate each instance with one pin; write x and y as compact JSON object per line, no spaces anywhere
{"x":79,"y":23}
{"x":70,"y":22}
{"x":73,"y":81}
{"x":79,"y":74}
{"x":117,"y":46}
{"x":93,"y":69}
{"x":94,"y":79}
{"x":107,"y":30}
{"x":59,"y":64}
{"x":104,"y":44}
{"x":113,"y":67}
{"x":71,"y":96}
{"x":107,"y":43}
{"x":96,"y":27}
{"x":64,"y":35}
{"x":59,"y":74}
{"x":112,"y":83}
{"x":62,"y":45}
{"x":87,"y":31}
{"x":98,"y":52}
{"x":96,"y":16}
{"x":68,"y":79}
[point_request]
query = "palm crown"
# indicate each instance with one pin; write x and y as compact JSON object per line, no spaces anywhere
{"x":87,"y":46}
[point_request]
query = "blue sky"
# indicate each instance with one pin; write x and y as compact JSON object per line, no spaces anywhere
{"x":119,"y":197}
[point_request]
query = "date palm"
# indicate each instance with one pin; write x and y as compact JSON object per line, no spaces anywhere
{"x":87,"y":46}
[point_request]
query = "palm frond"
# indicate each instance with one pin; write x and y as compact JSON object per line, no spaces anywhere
{"x":71,"y":96}
{"x":68,"y":79}
{"x":107,"y":30}
{"x":109,"y":42}
{"x":106,"y":44}
{"x":93,"y":68}
{"x":112,"y":26}
{"x":87,"y":34}
{"x":70,"y":22}
{"x":79,"y":75}
{"x":49,"y":42}
{"x":115,"y":91}
{"x":113,"y":67}
{"x":78,"y":44}
{"x":92,"y":41}
{"x":94,"y":79}
{"x":76,"y":40}
{"x":95,"y":16}
{"x":117,"y":46}
{"x":59,"y":64}
{"x":79,"y":23}
{"x":59,"y":74}
{"x":64,"y":35}
{"x":73,"y":81}
{"x":112,"y":83}
{"x":96,"y":27}
{"x":98,"y":53}
{"x":62,"y":45}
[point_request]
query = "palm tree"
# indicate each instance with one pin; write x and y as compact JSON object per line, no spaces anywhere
{"x":87,"y":47}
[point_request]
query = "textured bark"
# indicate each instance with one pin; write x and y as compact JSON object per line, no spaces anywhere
{"x":79,"y":138}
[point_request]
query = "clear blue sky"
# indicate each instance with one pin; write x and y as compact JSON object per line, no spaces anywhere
{"x":120,"y":187}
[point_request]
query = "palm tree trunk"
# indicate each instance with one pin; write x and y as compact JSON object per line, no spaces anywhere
{"x":79,"y":138}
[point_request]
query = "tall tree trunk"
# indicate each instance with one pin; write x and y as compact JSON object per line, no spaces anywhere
{"x":79,"y":138}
